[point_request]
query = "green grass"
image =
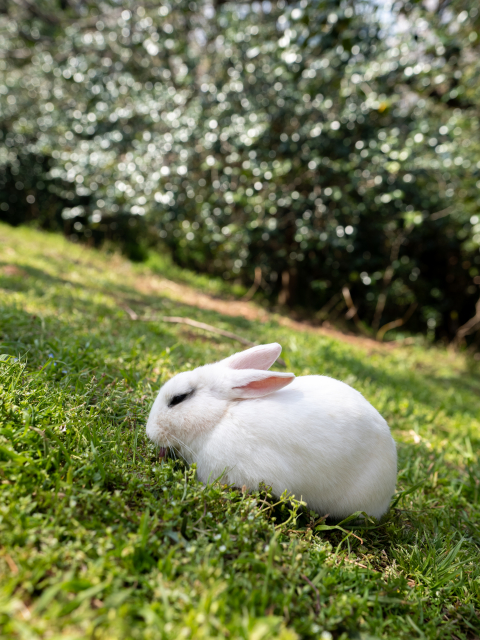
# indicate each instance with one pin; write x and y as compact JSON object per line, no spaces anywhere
{"x":101,"y":539}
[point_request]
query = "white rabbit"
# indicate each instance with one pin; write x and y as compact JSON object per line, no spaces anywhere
{"x":318,"y":438}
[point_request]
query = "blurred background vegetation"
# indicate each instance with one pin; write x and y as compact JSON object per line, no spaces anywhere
{"x":324,"y":153}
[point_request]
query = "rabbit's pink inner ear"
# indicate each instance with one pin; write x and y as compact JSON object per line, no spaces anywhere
{"x":260,"y":358}
{"x":258,"y":388}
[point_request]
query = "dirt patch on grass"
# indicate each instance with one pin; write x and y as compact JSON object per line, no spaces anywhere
{"x":249,"y":310}
{"x":187,"y":295}
{"x":12,"y":270}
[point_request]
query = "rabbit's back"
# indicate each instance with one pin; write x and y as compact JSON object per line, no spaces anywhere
{"x":318,"y":438}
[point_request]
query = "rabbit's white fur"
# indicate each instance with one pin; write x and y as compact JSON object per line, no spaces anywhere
{"x":318,"y":438}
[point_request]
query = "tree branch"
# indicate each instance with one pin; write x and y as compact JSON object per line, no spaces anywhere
{"x":201,"y":325}
{"x":441,"y":214}
{"x":352,"y":312}
{"x":396,"y":323}
{"x":469,"y":327}
{"x":256,"y":283}
{"x":197,"y":325}
{"x":325,"y":310}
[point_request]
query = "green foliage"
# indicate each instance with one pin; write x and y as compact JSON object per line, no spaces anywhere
{"x":102,"y":539}
{"x":328,"y":144}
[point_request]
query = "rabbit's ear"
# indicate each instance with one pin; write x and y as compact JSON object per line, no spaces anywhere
{"x":261,"y":357}
{"x":255,"y":384}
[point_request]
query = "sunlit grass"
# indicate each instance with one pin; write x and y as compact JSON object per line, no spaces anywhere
{"x":101,"y":539}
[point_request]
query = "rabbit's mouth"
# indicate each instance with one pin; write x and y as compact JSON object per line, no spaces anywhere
{"x":162,"y":453}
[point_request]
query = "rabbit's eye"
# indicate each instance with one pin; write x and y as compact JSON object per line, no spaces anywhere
{"x":180,"y":398}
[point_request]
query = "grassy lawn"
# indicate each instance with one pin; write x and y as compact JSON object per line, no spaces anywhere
{"x":99,"y":538}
